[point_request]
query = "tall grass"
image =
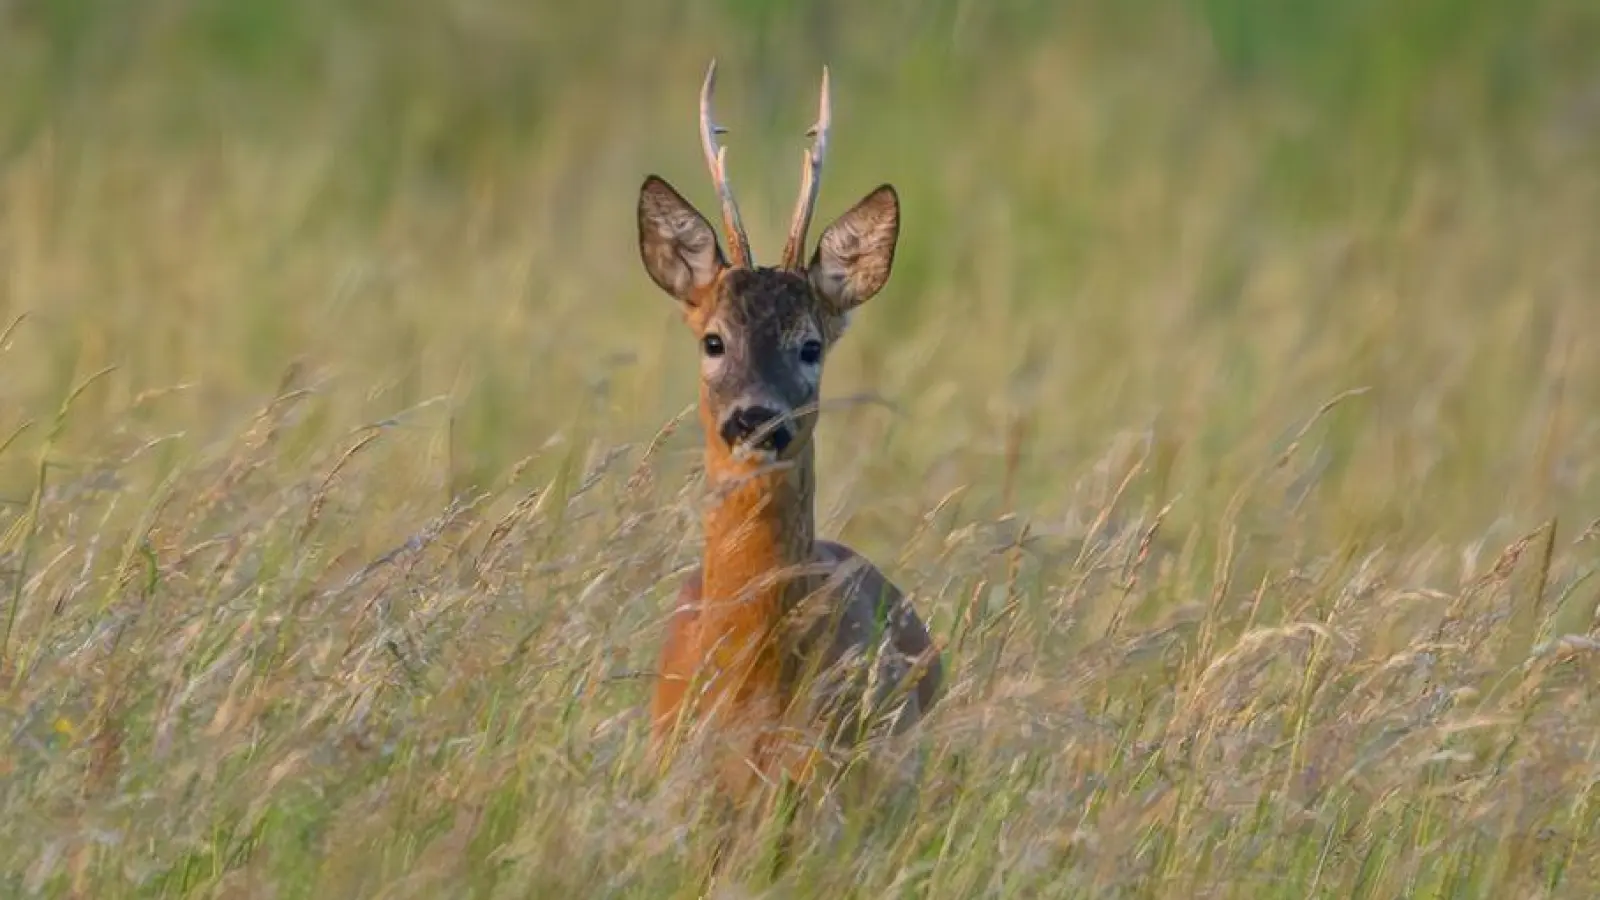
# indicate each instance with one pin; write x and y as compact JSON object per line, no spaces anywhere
{"x":1237,"y":437}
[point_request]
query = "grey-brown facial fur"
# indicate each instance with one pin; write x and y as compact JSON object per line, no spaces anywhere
{"x":773,"y":336}
{"x":754,"y":324}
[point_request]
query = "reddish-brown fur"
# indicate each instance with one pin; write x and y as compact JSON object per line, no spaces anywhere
{"x":760,"y":648}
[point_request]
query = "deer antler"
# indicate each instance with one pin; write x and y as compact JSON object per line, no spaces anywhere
{"x":716,"y":159}
{"x":794,"y":248}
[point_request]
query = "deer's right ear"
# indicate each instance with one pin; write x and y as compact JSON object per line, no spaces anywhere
{"x":677,"y":244}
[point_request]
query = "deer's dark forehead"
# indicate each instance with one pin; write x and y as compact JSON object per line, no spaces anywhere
{"x":765,"y":300}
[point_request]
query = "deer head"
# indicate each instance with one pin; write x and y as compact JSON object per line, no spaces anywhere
{"x":764,"y":332}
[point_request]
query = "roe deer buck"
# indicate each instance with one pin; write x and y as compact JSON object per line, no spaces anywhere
{"x":741,"y":653}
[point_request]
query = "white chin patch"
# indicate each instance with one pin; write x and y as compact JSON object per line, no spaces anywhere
{"x":760,"y":455}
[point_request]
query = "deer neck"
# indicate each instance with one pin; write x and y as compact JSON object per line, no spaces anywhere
{"x":759,"y":529}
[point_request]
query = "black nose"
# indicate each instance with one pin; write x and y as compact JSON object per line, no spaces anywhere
{"x":743,"y":423}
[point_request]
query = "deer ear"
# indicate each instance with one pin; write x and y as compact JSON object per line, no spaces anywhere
{"x":856,"y":252}
{"x":677,"y":244}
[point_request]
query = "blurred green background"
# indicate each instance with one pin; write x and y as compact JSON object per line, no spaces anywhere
{"x":281,"y":279}
{"x":1213,"y":214}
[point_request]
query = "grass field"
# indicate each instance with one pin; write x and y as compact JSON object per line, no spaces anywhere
{"x":1232,"y":416}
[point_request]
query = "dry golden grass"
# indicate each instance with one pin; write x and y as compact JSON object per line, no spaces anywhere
{"x":1242,"y":451}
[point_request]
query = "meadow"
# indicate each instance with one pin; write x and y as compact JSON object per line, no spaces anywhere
{"x":1232,"y":414}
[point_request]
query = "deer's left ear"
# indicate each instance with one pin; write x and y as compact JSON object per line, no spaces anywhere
{"x":856,"y":252}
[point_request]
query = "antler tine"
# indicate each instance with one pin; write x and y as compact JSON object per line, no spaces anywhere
{"x":716,"y":160}
{"x":794,"y":248}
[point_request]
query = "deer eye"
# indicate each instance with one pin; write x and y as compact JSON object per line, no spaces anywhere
{"x":811,"y":352}
{"x":713,"y":345}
